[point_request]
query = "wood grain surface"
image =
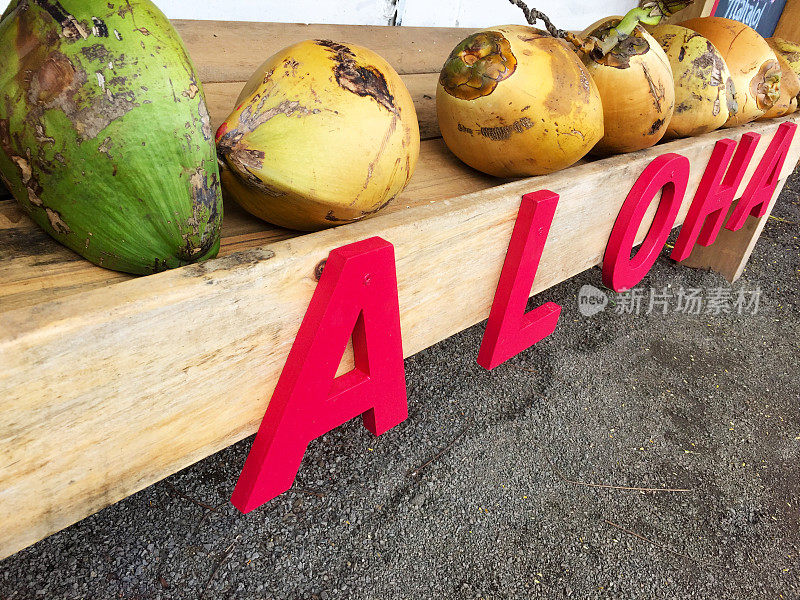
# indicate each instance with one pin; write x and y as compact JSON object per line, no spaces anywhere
{"x":34,"y":268}
{"x":107,"y":391}
{"x":225,"y":51}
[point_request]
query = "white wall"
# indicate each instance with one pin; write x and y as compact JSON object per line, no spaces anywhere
{"x":566,"y":14}
{"x":358,"y":12}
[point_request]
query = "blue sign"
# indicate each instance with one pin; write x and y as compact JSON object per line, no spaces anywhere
{"x":761,"y":15}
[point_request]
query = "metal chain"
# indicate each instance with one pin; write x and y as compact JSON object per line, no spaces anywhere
{"x":532,"y":15}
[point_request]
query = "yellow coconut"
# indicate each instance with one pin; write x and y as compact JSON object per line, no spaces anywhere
{"x":324,"y":133}
{"x":789,"y":50}
{"x":704,"y":92}
{"x":755,"y":70}
{"x":790,"y":78}
{"x":635,"y":83}
{"x":786,"y":103}
{"x":515,"y":101}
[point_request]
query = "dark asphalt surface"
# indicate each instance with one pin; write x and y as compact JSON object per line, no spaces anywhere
{"x":707,"y":403}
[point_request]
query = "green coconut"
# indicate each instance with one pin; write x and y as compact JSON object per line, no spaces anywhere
{"x":105,"y":138}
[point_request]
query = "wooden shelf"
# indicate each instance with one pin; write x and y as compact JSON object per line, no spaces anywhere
{"x":34,"y":268}
{"x":110,"y":383}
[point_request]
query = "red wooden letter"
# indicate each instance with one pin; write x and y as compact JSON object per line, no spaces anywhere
{"x":714,"y":194}
{"x":758,"y":193}
{"x":670,"y":172}
{"x":509,"y":330}
{"x":357,"y":294}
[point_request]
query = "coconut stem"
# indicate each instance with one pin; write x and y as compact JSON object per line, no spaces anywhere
{"x":649,"y":13}
{"x":532,"y":15}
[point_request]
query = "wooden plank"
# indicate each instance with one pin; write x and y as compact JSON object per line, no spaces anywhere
{"x":729,"y":254}
{"x":34,"y":268}
{"x":221,"y":99}
{"x":231,"y":51}
{"x":138,"y":380}
{"x":788,"y":26}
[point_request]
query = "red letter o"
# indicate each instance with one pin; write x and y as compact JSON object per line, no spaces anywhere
{"x":670,"y":172}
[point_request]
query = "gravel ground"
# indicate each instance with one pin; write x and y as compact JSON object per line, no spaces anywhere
{"x":501,"y":507}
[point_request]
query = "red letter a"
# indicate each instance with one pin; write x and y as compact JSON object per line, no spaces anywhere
{"x":509,"y":330}
{"x":357,"y":294}
{"x":758,"y":193}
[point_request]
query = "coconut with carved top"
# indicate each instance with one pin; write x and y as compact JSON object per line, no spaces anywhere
{"x":635,"y":82}
{"x":788,"y":55}
{"x":515,"y":101}
{"x":323,"y":133}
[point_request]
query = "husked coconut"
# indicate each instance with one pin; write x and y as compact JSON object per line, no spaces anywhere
{"x":323,"y":133}
{"x":704,"y":90}
{"x":755,"y":70}
{"x":515,"y":101}
{"x":636,"y":87}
